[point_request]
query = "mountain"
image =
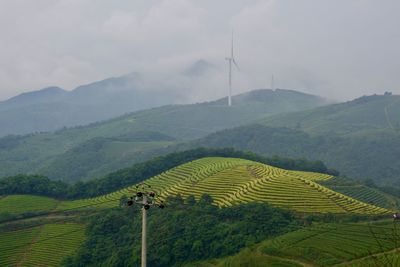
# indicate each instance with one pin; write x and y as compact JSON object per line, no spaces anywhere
{"x":46,"y":95}
{"x":199,"y":68}
{"x":60,"y":154}
{"x":53,"y":108}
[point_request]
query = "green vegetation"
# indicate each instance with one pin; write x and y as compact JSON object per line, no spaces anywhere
{"x":40,"y":246}
{"x":216,"y":206}
{"x":362,"y":157}
{"x":14,"y":244}
{"x":232,"y":181}
{"x":358,"y":117}
{"x":179,"y":234}
{"x":19,"y":204}
{"x":246,"y":258}
{"x":119,"y":142}
{"x":350,"y":245}
{"x":368,"y":194}
{"x":34,"y":184}
{"x":330,"y":244}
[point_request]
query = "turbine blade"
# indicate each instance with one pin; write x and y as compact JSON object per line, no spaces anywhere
{"x":234,"y":62}
{"x":232,"y":45}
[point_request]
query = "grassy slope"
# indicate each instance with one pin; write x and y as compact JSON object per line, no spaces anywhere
{"x":357,"y":244}
{"x":18,"y":204}
{"x":42,"y":245}
{"x":362,"y":115}
{"x":230,"y":181}
{"x":46,"y":152}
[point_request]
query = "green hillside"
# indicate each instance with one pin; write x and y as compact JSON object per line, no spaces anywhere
{"x":19,"y":204}
{"x":119,"y":142}
{"x":47,"y":230}
{"x":44,"y":245}
{"x":232,"y":181}
{"x":322,"y":245}
{"x":363,"y":115}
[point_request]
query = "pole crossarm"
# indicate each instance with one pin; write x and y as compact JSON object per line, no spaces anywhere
{"x":146,"y":198}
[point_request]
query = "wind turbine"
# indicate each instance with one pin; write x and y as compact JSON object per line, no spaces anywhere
{"x":231,"y":60}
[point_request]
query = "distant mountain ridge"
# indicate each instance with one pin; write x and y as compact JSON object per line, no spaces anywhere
{"x":52,"y":108}
{"x":360,"y":116}
{"x":100,"y":145}
{"x":45,"y":95}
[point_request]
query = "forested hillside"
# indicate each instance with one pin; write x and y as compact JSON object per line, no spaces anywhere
{"x":119,"y":142}
{"x":365,"y":115}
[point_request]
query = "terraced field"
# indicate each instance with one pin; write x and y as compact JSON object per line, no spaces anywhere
{"x":40,"y":246}
{"x":14,"y":244}
{"x":230,"y":181}
{"x":343,"y":244}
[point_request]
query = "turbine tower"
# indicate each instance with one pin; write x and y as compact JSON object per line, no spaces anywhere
{"x":272,"y":82}
{"x":231,"y":60}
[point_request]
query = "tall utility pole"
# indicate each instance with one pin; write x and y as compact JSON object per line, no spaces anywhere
{"x":145,"y":198}
{"x":144,"y":233}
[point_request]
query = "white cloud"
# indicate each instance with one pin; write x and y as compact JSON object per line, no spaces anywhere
{"x":336,"y":48}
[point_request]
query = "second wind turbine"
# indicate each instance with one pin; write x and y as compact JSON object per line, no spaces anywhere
{"x":231,"y":60}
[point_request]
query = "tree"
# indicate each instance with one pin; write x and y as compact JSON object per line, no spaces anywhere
{"x":206,"y":199}
{"x":190,"y":200}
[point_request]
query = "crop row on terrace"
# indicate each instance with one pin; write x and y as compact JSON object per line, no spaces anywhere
{"x":230,"y":181}
{"x":334,"y":244}
{"x":43,"y":245}
{"x":365,"y":194}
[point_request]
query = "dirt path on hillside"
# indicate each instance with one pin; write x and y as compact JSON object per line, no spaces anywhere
{"x":29,"y":248}
{"x":296,"y":261}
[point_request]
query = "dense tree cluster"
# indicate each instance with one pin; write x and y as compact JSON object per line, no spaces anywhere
{"x":185,"y":231}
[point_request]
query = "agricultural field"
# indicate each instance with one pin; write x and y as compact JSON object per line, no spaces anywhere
{"x":344,"y":244}
{"x":18,"y":204}
{"x":231,"y":181}
{"x":44,"y":245}
{"x":361,"y":192}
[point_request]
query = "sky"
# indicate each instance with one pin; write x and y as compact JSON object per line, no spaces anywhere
{"x":339,"y":49}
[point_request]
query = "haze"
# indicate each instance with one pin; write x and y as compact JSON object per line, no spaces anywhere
{"x":338,"y":49}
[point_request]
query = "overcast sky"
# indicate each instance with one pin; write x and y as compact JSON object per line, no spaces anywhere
{"x":338,"y":48}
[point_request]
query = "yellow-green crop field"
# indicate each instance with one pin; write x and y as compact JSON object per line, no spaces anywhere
{"x":232,"y":181}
